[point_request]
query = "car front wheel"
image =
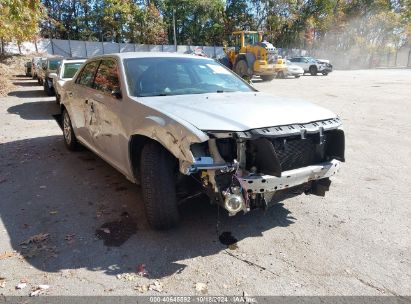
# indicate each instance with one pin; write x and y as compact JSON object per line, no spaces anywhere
{"x":313,"y":70}
{"x":267,"y":77}
{"x":69,"y":137}
{"x":159,"y":187}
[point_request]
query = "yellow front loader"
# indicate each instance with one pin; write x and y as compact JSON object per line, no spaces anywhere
{"x":253,"y":56}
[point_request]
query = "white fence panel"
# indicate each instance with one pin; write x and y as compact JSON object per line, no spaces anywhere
{"x":209,"y":50}
{"x":142,"y":47}
{"x":75,"y":48}
{"x":78,"y":49}
{"x":169,"y":48}
{"x":110,"y":48}
{"x":94,"y":48}
{"x":44,"y":46}
{"x":182,"y":49}
{"x":155,"y":48}
{"x":402,"y":57}
{"x":126,"y":47}
{"x":219,"y":51}
{"x":61,"y":47}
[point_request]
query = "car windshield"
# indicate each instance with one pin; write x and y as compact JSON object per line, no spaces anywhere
{"x":162,"y":76}
{"x":53,"y":64}
{"x":70,"y":69}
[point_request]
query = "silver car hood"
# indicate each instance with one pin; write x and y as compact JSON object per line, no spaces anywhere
{"x":237,"y":111}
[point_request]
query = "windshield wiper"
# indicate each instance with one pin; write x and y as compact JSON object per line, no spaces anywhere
{"x":225,"y":91}
{"x":153,"y":95}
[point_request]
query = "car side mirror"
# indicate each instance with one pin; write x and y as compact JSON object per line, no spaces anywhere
{"x":117,"y":94}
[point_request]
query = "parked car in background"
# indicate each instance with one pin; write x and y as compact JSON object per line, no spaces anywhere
{"x":294,"y":70}
{"x":312,"y":66}
{"x":35,"y":66}
{"x":66,"y":70}
{"x":40,"y":70}
{"x":27,"y":68}
{"x":170,"y":121}
{"x":49,"y":67}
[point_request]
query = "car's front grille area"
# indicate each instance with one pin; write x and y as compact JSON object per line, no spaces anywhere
{"x":295,"y":153}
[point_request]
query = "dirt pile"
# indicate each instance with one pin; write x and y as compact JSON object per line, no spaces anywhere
{"x":10,"y":66}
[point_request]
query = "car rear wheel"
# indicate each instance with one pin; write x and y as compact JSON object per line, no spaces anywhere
{"x":159,"y":186}
{"x":69,"y":137}
{"x":297,"y":76}
{"x":313,"y":70}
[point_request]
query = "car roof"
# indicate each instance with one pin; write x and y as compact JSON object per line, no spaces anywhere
{"x":74,"y":60}
{"x":127,"y":55}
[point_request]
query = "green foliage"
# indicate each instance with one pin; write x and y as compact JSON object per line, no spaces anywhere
{"x":197,"y":22}
{"x":19,"y":19}
{"x":332,"y":24}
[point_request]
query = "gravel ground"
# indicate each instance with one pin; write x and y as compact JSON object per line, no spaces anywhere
{"x":355,"y":241}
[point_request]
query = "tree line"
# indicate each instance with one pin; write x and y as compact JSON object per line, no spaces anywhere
{"x":336,"y":24}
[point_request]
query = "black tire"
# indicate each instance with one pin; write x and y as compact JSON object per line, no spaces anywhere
{"x":281,"y":75}
{"x":241,"y":68}
{"x":267,"y":77}
{"x":158,"y":183}
{"x":313,"y":70}
{"x":69,"y":137}
{"x":297,"y":76}
{"x":49,"y":91}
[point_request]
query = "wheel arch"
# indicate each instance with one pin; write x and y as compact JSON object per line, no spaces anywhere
{"x":136,"y":144}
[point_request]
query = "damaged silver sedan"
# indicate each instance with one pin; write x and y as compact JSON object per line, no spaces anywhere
{"x":179,"y":124}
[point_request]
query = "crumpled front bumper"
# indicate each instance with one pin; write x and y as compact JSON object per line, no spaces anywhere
{"x":290,"y":178}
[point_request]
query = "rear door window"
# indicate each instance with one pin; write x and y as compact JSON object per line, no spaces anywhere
{"x":86,"y":77}
{"x":107,"y":79}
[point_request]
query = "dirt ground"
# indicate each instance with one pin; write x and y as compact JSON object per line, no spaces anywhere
{"x":354,"y":241}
